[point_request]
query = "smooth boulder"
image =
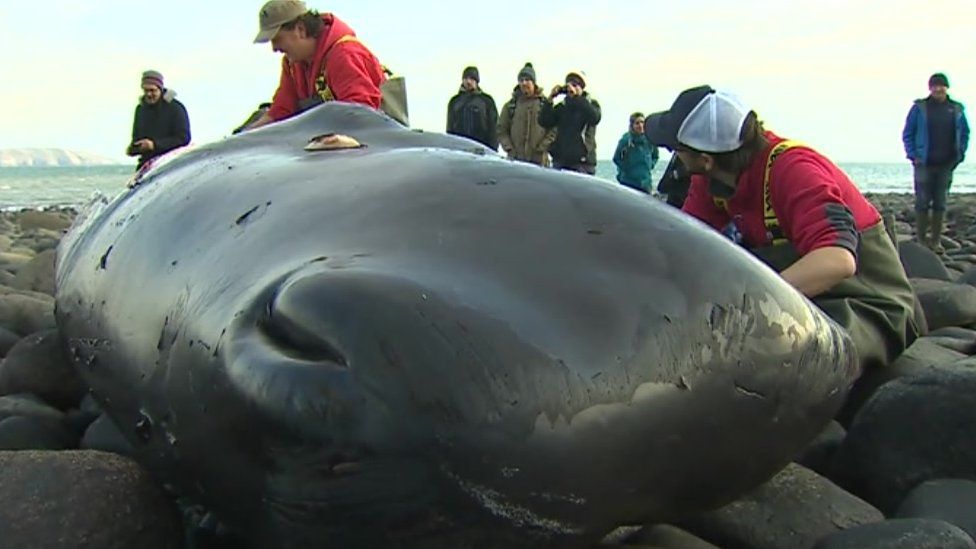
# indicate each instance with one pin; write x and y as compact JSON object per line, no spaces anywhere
{"x":921,"y":262}
{"x":795,"y":509}
{"x":83,"y":499}
{"x":951,"y":500}
{"x":38,"y":365}
{"x":900,"y":534}
{"x":946,"y":303}
{"x":914,"y":429}
{"x":38,"y":274}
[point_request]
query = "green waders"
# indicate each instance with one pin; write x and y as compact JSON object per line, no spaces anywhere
{"x":875,"y":306}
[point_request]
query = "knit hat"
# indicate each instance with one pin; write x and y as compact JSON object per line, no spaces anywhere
{"x":527,"y":72}
{"x":472,"y":73}
{"x":579,"y":76}
{"x":938,"y":79}
{"x":153,"y":78}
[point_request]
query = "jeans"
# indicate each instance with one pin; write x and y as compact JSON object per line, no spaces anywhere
{"x":932,"y":187}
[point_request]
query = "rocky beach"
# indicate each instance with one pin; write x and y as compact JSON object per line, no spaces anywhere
{"x":901,"y":474}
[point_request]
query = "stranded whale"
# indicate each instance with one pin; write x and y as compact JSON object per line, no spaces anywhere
{"x":414,"y":338}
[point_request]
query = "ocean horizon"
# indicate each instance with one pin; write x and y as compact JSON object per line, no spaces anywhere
{"x":47,"y":187}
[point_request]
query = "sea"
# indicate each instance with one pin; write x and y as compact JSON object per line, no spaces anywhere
{"x":38,"y":188}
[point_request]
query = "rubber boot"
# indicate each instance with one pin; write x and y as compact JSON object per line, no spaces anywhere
{"x":922,"y":228}
{"x":936,"y":239}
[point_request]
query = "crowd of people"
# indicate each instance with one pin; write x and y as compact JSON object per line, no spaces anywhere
{"x":784,"y":202}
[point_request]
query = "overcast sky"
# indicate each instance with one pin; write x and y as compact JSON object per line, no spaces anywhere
{"x":838,"y":75}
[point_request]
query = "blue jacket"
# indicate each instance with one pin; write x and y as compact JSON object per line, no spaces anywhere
{"x":635,"y":157}
{"x":916,"y":132}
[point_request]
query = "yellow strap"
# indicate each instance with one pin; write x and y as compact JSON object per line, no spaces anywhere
{"x":769,"y":215}
{"x":351,"y":38}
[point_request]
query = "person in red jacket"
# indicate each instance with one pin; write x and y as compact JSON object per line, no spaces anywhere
{"x":795,"y":210}
{"x":323,"y":61}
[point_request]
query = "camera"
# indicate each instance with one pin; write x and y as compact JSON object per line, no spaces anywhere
{"x":564,"y":89}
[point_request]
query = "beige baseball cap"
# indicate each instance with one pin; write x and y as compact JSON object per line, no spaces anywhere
{"x":276,"y":14}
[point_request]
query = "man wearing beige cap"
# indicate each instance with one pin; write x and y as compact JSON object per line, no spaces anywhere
{"x":323,"y":61}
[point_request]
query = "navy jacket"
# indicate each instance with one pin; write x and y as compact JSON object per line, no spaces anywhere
{"x":916,"y":133}
{"x":165,"y":122}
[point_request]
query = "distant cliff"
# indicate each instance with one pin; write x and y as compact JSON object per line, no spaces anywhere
{"x":10,"y":158}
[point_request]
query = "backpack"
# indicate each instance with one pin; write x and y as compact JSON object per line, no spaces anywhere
{"x":393,"y":90}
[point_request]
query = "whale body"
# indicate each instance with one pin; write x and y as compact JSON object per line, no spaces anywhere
{"x":415,"y":340}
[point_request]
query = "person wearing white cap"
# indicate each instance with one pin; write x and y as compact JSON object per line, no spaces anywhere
{"x":794,"y":209}
{"x":323,"y":61}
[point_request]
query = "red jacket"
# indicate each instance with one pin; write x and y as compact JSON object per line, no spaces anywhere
{"x":354,"y":73}
{"x":815,"y":202}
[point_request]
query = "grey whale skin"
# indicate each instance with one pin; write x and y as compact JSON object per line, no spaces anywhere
{"x":418,"y":338}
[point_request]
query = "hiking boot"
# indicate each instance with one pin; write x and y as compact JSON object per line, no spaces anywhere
{"x":935,"y":243}
{"x":922,"y":228}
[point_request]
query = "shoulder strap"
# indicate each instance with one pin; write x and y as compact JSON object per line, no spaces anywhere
{"x":351,"y":38}
{"x":769,"y":216}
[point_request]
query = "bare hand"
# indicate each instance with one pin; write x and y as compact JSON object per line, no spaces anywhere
{"x":556,"y":90}
{"x":144,"y":145}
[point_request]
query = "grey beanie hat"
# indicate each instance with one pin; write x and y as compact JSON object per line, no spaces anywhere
{"x":527,"y":72}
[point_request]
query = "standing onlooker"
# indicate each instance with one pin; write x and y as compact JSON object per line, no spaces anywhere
{"x":323,"y":61}
{"x":635,"y":157}
{"x":575,"y":121}
{"x":936,"y":136}
{"x":519,"y":132}
{"x":472,"y":113}
{"x":160,"y":123}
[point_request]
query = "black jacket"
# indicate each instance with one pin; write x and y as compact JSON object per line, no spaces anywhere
{"x":575,"y":120}
{"x":473,"y":115}
{"x":165,"y":122}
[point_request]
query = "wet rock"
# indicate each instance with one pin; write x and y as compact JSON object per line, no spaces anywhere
{"x":819,"y":455}
{"x":7,"y":341}
{"x":968,"y":277}
{"x":921,"y":262}
{"x":946,"y":303}
{"x":83,"y":499}
{"x":104,"y":435}
{"x":52,"y":221}
{"x":27,"y":405}
{"x":660,"y":536}
{"x":37,"y":275}
{"x":925,"y":352}
{"x":900,"y":534}
{"x":951,"y":500}
{"x":914,"y":429}
{"x":37,"y":365}
{"x":12,"y":261}
{"x":795,"y":509}
{"x":33,"y":433}
{"x":25,"y":314}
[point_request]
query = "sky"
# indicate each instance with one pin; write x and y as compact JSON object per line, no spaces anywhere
{"x":837,"y":75}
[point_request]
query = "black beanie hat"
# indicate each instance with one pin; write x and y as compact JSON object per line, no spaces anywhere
{"x":472,"y":73}
{"x":938,"y":79}
{"x":527,"y":72}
